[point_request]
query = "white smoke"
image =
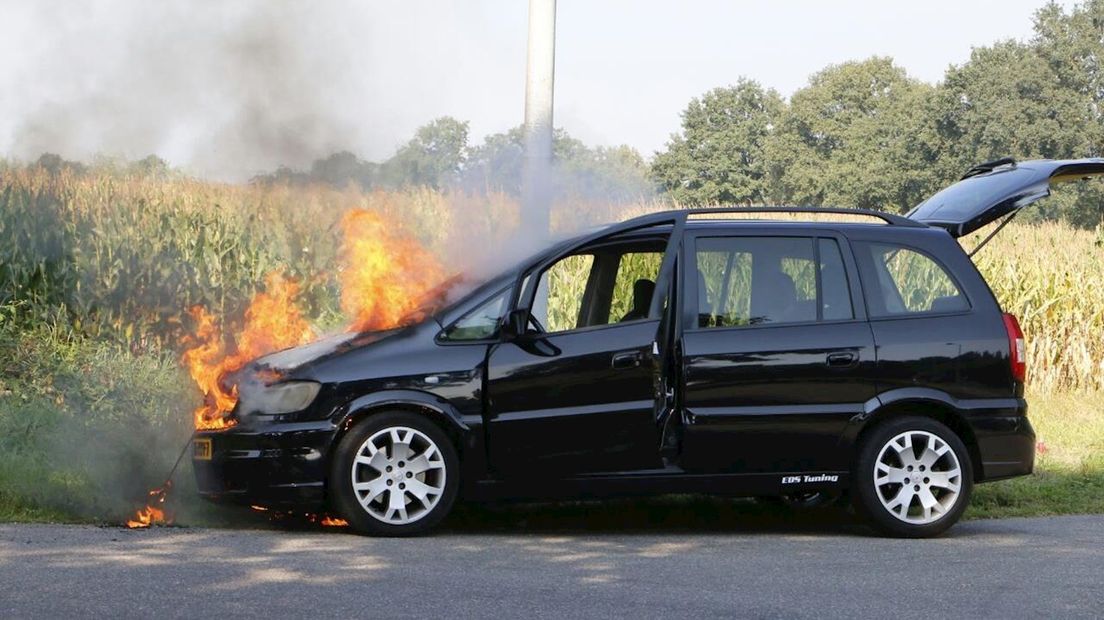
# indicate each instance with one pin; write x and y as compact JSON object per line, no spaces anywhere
{"x":230,"y":89}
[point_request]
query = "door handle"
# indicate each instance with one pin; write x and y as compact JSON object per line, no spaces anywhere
{"x":842,"y":359}
{"x":627,"y":359}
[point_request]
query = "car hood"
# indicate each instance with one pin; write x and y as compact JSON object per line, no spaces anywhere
{"x":347,"y":357}
{"x":291,"y":359}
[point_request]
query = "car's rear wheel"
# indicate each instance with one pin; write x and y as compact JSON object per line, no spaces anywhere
{"x":912,"y":478}
{"x":394,"y":474}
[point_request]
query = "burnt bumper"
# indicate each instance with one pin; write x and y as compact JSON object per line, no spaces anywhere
{"x":1005,"y":439}
{"x":282,"y":465}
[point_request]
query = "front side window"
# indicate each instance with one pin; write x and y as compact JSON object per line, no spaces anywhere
{"x":558,"y":306}
{"x":609,"y":283}
{"x":769,"y":280}
{"x":907,"y":282}
{"x":481,"y":323}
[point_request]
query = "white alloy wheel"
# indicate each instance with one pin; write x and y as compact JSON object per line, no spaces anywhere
{"x":398,"y":475}
{"x":917,"y":477}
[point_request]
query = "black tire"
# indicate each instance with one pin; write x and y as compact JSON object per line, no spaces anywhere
{"x":867,"y":496}
{"x":344,"y":500}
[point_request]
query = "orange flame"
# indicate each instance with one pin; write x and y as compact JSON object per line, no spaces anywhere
{"x":385,"y":278}
{"x":151,"y":513}
{"x":386,"y":275}
{"x":273,"y":321}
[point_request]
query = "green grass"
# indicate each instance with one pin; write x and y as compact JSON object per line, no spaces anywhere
{"x":1069,"y":467}
{"x":86,"y":428}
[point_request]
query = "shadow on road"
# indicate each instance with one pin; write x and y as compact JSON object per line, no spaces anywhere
{"x":673,"y":514}
{"x":677,"y":514}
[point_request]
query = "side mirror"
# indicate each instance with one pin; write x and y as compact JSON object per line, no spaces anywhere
{"x":515,"y":323}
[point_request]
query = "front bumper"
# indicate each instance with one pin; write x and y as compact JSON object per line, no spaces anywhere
{"x":283,"y":465}
{"x":1005,"y":439}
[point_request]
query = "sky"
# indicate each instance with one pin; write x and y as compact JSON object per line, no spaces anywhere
{"x":231,"y":89}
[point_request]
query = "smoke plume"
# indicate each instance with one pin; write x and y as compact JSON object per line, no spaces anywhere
{"x":226,"y":89}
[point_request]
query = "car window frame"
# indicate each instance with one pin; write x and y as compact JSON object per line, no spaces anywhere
{"x":444,"y":341}
{"x":527,"y":285}
{"x":688,"y":281}
{"x":866,"y":264}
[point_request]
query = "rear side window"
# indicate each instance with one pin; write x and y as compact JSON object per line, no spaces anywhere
{"x":906,"y":281}
{"x":770,"y":280}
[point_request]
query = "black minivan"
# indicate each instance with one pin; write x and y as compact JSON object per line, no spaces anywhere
{"x":694,"y":351}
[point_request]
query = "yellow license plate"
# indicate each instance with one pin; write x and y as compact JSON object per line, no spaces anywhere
{"x":201,"y":449}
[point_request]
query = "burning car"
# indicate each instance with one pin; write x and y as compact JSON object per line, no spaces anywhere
{"x":685,"y":351}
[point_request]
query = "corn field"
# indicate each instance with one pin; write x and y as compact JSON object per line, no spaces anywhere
{"x":121,"y":257}
{"x":1052,"y":278}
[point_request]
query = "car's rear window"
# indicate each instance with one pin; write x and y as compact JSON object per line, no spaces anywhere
{"x":900,"y":281}
{"x":968,"y":197}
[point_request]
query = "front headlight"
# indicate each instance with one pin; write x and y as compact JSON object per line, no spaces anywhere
{"x":278,"y":398}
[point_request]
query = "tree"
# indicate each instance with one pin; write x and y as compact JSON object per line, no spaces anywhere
{"x":151,"y":166}
{"x":1072,"y":45}
{"x":617,"y":173}
{"x":719,"y":155}
{"x":434,"y":157}
{"x":1006,"y":101}
{"x":611,"y":173}
{"x":495,"y":165}
{"x":54,"y":164}
{"x":856,"y":136}
{"x":342,"y":168}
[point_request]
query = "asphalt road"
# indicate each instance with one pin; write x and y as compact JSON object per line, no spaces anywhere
{"x":1010,"y":568}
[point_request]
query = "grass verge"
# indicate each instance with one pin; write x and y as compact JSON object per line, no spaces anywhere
{"x":1069,"y":466}
{"x":86,"y":428}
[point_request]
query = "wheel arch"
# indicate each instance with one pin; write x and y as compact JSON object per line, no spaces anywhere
{"x":921,"y":402}
{"x":437,"y":410}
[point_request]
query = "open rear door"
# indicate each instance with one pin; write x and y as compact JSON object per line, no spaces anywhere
{"x":994,"y":189}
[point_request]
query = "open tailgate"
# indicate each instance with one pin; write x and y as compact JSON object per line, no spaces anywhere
{"x":992,"y":190}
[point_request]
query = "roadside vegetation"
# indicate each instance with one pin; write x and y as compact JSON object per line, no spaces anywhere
{"x":100,"y":262}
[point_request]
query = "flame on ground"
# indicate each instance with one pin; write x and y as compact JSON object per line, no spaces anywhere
{"x":154,"y":511}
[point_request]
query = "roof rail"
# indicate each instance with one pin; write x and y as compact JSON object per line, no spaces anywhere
{"x":681,"y":215}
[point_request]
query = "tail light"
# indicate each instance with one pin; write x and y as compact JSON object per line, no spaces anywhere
{"x":1017,"y":357}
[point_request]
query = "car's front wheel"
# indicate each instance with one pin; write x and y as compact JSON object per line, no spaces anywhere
{"x":912,"y":478}
{"x":394,"y":474}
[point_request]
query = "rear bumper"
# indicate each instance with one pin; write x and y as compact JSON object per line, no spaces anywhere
{"x":1005,"y":438}
{"x":268,"y":465}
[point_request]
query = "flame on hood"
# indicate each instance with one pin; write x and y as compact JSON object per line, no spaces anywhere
{"x":385,"y":274}
{"x":273,"y":321}
{"x":387,"y":280}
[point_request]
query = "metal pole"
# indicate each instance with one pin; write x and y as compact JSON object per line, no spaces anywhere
{"x":537,"y":160}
